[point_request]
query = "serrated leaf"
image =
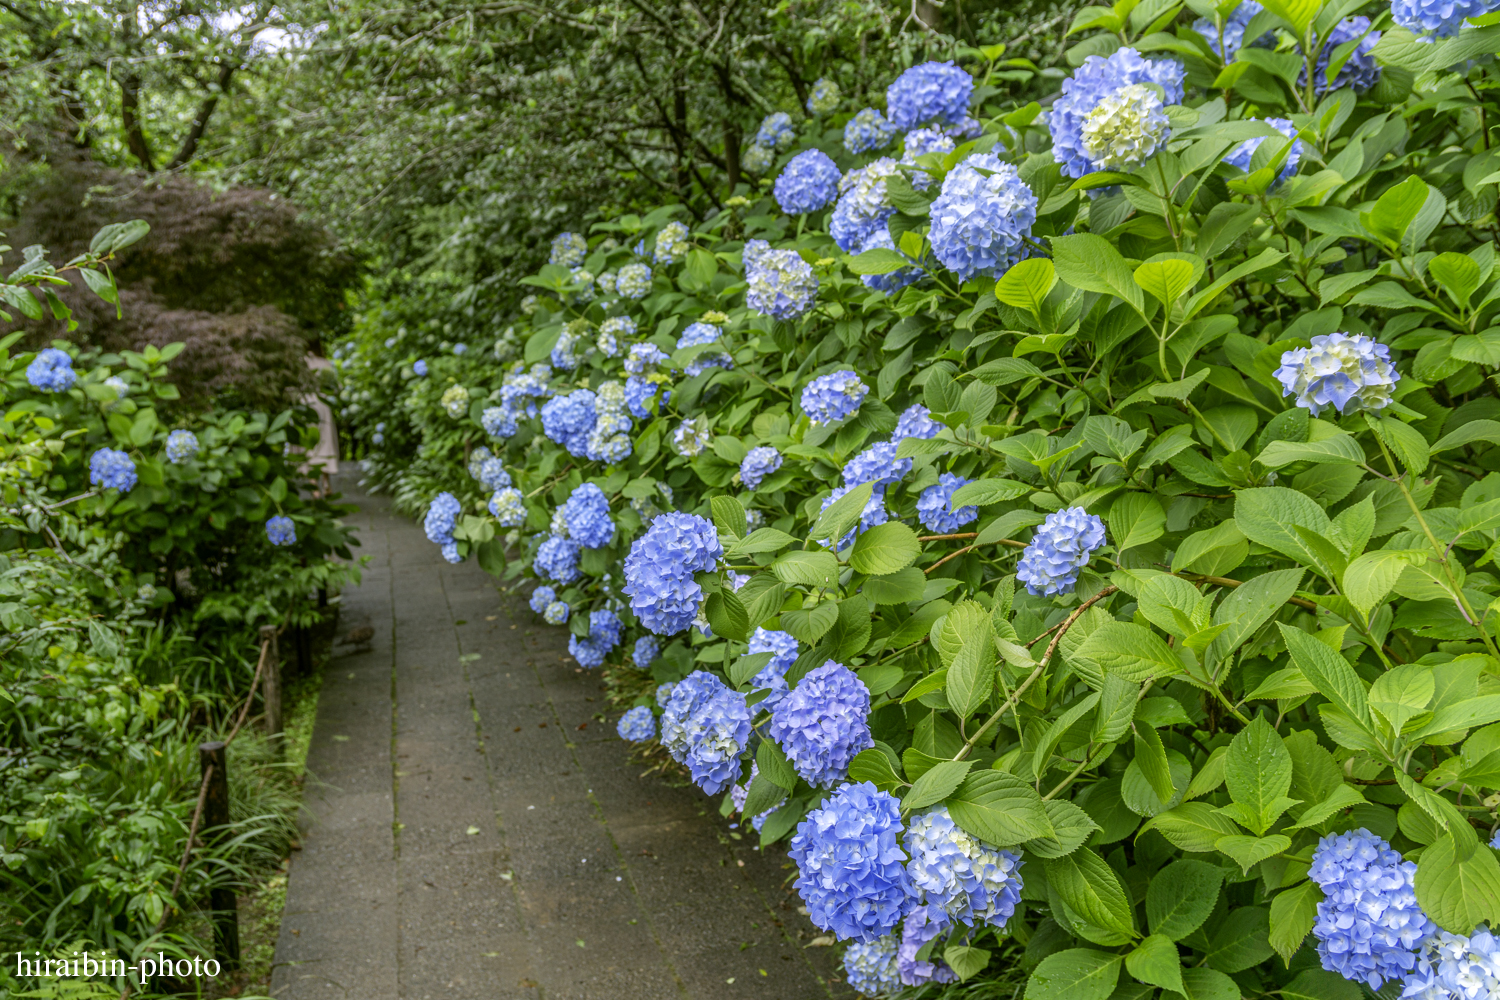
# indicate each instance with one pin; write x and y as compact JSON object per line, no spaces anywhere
{"x":999,"y":809}
{"x":1181,"y":896}
{"x":885,"y":548}
{"x":1090,"y":886}
{"x":1293,"y":913}
{"x":936,"y":784}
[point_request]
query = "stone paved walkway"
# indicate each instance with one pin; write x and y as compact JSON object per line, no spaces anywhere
{"x":476,"y":829}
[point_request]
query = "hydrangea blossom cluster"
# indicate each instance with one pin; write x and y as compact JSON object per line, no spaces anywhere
{"x":922,"y":924}
{"x":637,"y":725}
{"x":783,"y":649}
{"x":586,"y":514}
{"x":557,"y":559}
{"x":683,"y":702}
{"x":1359,"y":71}
{"x":1099,"y":78}
{"x":1234,"y":30}
{"x":809,"y":182}
{"x":822,"y":97}
{"x":556,"y":613}
{"x":833,"y":397}
{"x":520,"y":389}
{"x":1369,"y":926}
{"x":967,"y":880}
{"x":51,"y":371}
{"x":112,"y":469}
{"x":870,"y":968}
{"x":671,"y":244}
{"x":1349,"y":373}
{"x":757,"y":159}
{"x":868,"y":130}
{"x":1126,"y":128}
{"x":608,"y":440}
{"x":498,"y":421}
{"x":541,"y":597}
{"x":892,"y":281}
{"x":851,"y":869}
{"x":659,"y":570}
{"x":716,"y":738}
{"x":1241,"y":154}
{"x":568,"y":250}
{"x":604,"y":635}
{"x":691,"y":437}
{"x":935,"y":506}
{"x":863,"y":204}
{"x":565,"y":351}
{"x":439,"y":522}
{"x":607,"y":283}
{"x":873,"y":514}
{"x":455,"y":401}
{"x":646,"y":650}
{"x":614,"y":329}
{"x":569,"y":419}
{"x":420,"y":367}
{"x":638,"y":392}
{"x":776,"y":131}
{"x":634,"y":281}
{"x":121,"y":388}
{"x":1060,"y":548}
{"x":696,"y":335}
{"x":916,"y":422}
{"x":823,"y":723}
{"x":757,"y":464}
{"x":929,"y":92}
{"x":664,"y":694}
{"x":1430,"y":20}
{"x":508,"y":507}
{"x":644,"y":359}
{"x":181,"y":446}
{"x":979,"y":222}
{"x":782,"y":284}
{"x":921,"y":142}
{"x":280,"y":530}
{"x":877,"y":464}
{"x":1457,"y":968}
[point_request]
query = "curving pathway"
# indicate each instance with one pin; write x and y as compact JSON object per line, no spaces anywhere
{"x":477,"y":831}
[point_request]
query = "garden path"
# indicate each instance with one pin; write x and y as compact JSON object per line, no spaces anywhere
{"x":477,"y":830}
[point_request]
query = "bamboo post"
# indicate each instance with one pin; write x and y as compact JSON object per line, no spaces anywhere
{"x":271,"y":685}
{"x":216,"y":820}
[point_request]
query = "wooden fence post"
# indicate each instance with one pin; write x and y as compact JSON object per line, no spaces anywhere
{"x":271,"y":685}
{"x":226,"y":919}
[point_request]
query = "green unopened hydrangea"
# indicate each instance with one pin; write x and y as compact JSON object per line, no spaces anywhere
{"x":456,"y":401}
{"x":671,"y":243}
{"x":1126,"y":128}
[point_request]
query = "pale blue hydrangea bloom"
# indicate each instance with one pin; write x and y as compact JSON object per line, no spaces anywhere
{"x":1125,"y":129}
{"x":877,"y":464}
{"x":772,"y":676}
{"x":697,"y":335}
{"x":690,"y":438}
{"x":717,"y":734}
{"x":683,"y":703}
{"x":450,"y":553}
{"x":671,"y":244}
{"x":823,"y":723}
{"x":420,"y":367}
{"x":851,"y":869}
{"x":757,"y":159}
{"x":934,"y":506}
{"x":1495,"y":840}
{"x":809,"y":182}
{"x":634,"y":281}
{"x":969,"y":881}
{"x":664,"y":692}
{"x":643,"y":359}
{"x":919,"y":143}
{"x":757,"y":464}
{"x":868,"y":130}
{"x":618,"y":327}
{"x":739,"y":794}
{"x":541,"y":597}
{"x":441,"y":518}
{"x":1457,"y":968}
{"x":1369,"y":926}
{"x":120,"y":386}
{"x":378,"y":438}
{"x":51,"y":370}
{"x":111,"y":469}
{"x":929,"y":92}
{"x":646,"y":649}
{"x":460,"y":348}
{"x":604,"y":635}
{"x":870,"y":968}
{"x":892,"y":281}
{"x":1430,"y":20}
{"x":455,"y":401}
{"x":557,"y":559}
{"x":916,"y":422}
{"x":640,"y":391}
{"x":1095,"y":80}
{"x":659,"y":570}
{"x":565,"y":351}
{"x":922,"y":924}
{"x":508,"y":507}
{"x":979,"y":222}
{"x":556,"y":613}
{"x":498,"y":421}
{"x":776,"y":131}
{"x":781,"y":284}
{"x":520,"y":389}
{"x":586,"y":514}
{"x":280,"y":530}
{"x":1060,"y":548}
{"x":568,"y":420}
{"x":1241,"y":154}
{"x":568,"y":250}
{"x":492,"y":475}
{"x":608,"y":283}
{"x":181,"y":446}
{"x":822,"y":97}
{"x":1349,"y":373}
{"x":833,"y":397}
{"x":1234,"y":30}
{"x":637,"y":725}
{"x":863,"y":204}
{"x":1359,"y":71}
{"x":873,"y":514}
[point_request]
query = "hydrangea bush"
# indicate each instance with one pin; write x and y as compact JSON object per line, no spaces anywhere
{"x":1074,"y":538}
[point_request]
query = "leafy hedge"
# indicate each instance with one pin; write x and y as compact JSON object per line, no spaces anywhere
{"x":1288,"y":630}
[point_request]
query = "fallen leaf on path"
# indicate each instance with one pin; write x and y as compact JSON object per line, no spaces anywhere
{"x":471,"y":831}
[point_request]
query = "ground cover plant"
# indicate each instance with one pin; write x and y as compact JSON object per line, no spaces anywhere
{"x":1069,"y":529}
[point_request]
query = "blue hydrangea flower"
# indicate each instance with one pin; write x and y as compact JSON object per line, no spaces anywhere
{"x":870,"y":969}
{"x":833,"y":397}
{"x":1495,"y":841}
{"x":1369,"y":926}
{"x":934,"y":506}
{"x":637,"y":725}
{"x":757,"y":464}
{"x":181,"y":446}
{"x":717,"y":734}
{"x":697,"y":335}
{"x":823,"y":723}
{"x":970,"y":881}
{"x":557,"y":559}
{"x":776,"y":131}
{"x":664,"y":693}
{"x":377,"y":438}
{"x":460,"y":348}
{"x":919,"y":143}
{"x":51,"y":370}
{"x":851,"y":869}
{"x":1457,"y":968}
{"x":556,"y":613}
{"x":508,"y":507}
{"x":1241,"y":154}
{"x":873,"y":514}
{"x":111,"y":469}
{"x":1060,"y":548}
{"x":929,"y":92}
{"x":420,"y":367}
{"x":822,"y":97}
{"x":671,"y":244}
{"x":541,"y":597}
{"x":450,"y":553}
{"x":121,"y":388}
{"x":1359,"y":71}
{"x":587,"y":515}
{"x":783,"y":650}
{"x":492,"y":475}
{"x":1095,"y":80}
{"x":1349,"y":373}
{"x":916,"y":422}
{"x":280,"y":530}
{"x":441,"y":518}
{"x":809,"y":182}
{"x":639,"y":392}
{"x":565,"y":351}
{"x":634,"y":281}
{"x":646,"y":649}
{"x":520,"y":389}
{"x":877,"y":464}
{"x":863,"y":204}
{"x":643,"y":359}
{"x":568,"y":420}
{"x":604,"y":635}
{"x":619,"y":327}
{"x":922,"y":924}
{"x":1430,"y":20}
{"x":659,"y":570}
{"x":568,"y":250}
{"x":691,"y":437}
{"x":782,"y":284}
{"x":608,"y":440}
{"x":868,"y":130}
{"x":757,"y":159}
{"x":1234,"y":30}
{"x":979,"y":222}
{"x":892,"y":281}
{"x":684,"y":700}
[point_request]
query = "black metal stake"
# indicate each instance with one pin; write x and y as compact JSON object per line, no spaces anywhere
{"x":226,"y":919}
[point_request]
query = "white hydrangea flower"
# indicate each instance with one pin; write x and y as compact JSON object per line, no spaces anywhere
{"x":1125,"y":129}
